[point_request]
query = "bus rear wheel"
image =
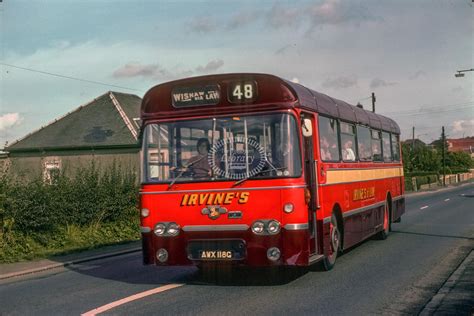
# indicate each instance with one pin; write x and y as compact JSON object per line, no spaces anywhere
{"x":383,"y":234}
{"x":335,"y":244}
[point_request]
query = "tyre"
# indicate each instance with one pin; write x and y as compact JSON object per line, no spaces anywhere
{"x":383,"y":234}
{"x":335,"y":244}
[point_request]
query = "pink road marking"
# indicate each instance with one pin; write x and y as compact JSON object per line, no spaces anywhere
{"x":131,"y":298}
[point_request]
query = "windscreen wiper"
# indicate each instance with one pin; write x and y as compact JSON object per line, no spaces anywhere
{"x":258,"y":173}
{"x":185,"y":168}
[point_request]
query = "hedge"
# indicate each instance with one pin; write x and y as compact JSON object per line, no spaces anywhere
{"x":93,"y":202}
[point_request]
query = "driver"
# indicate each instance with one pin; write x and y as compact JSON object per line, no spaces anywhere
{"x":199,"y":164}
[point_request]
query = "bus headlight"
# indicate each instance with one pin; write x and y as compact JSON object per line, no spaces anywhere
{"x":145,"y":212}
{"x":273,"y":227}
{"x":258,"y":227}
{"x":160,"y":229}
{"x":173,"y":229}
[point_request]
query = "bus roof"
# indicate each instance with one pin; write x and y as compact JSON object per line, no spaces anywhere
{"x":273,"y":92}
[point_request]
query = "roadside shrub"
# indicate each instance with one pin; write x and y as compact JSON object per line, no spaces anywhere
{"x":420,"y":173}
{"x":91,"y":196}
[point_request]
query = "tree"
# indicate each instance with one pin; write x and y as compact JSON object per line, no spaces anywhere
{"x":421,"y":158}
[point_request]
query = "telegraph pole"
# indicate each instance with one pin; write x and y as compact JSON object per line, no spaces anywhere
{"x":413,"y":140}
{"x":373,"y":102}
{"x":443,"y":139}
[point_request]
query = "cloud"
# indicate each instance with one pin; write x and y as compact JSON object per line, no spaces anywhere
{"x":463,"y":126}
{"x":333,"y":12}
{"x":242,"y":18}
{"x":135,"y":69}
{"x":340,"y":82}
{"x":328,"y":12}
{"x":279,"y":16}
{"x":418,"y":74}
{"x":8,"y":120}
{"x":286,"y":48}
{"x":377,"y":83}
{"x":211,"y":66}
{"x":202,"y":25}
{"x":155,"y":71}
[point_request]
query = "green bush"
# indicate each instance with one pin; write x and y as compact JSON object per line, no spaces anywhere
{"x":456,"y":171}
{"x":420,"y":180}
{"x":36,"y":217}
{"x":420,"y":173}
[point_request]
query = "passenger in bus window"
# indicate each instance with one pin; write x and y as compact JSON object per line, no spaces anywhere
{"x":376,"y":152}
{"x":199,"y":164}
{"x":365,"y":153}
{"x":325,"y":151}
{"x":347,"y":152}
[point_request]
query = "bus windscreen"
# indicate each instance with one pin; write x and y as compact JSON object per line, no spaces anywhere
{"x":222,"y":148}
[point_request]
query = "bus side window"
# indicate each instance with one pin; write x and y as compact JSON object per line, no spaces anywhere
{"x":364,"y":144}
{"x":328,"y":140}
{"x":348,"y":142}
{"x":395,"y":147}
{"x":386,"y":148}
{"x":376,"y":146}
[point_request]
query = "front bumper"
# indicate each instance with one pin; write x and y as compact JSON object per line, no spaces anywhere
{"x":293,"y":244}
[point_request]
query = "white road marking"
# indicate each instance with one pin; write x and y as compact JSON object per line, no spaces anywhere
{"x":446,"y":200}
{"x":423,"y":207}
{"x":131,"y":298}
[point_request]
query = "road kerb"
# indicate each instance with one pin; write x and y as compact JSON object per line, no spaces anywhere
{"x":437,"y":300}
{"x":68,"y":263}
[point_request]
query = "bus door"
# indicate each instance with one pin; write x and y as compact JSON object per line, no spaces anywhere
{"x":308,"y":128}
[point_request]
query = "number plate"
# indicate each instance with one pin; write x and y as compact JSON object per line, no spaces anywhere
{"x":217,"y":249}
{"x":216,"y":255}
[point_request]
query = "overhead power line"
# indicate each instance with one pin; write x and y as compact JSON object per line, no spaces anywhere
{"x":68,"y":77}
{"x":430,"y":108}
{"x":430,"y":112}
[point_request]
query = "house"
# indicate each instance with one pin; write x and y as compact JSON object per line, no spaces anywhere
{"x":105,"y":130}
{"x":461,"y":144}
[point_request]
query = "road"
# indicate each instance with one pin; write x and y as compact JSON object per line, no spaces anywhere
{"x":395,"y":276}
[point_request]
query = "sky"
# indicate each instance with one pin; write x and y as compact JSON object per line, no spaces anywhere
{"x":405,"y":51}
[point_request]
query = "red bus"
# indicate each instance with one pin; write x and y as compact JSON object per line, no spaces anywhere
{"x":254,"y":170}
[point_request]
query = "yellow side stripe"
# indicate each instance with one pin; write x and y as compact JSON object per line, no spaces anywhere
{"x":354,"y":175}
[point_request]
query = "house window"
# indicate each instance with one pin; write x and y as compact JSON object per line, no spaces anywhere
{"x":51,"y":170}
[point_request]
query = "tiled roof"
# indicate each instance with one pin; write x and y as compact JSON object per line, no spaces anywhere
{"x":98,"y":123}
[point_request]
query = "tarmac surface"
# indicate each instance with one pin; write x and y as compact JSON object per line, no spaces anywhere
{"x":426,"y":267}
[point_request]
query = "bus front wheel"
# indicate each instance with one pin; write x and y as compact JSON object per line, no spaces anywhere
{"x":334,"y":245}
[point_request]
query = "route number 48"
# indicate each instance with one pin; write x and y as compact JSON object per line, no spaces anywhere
{"x":242,"y":92}
{"x":247,"y":94}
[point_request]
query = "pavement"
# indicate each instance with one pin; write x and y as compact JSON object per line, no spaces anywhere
{"x":11,"y":270}
{"x":455,"y":297}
